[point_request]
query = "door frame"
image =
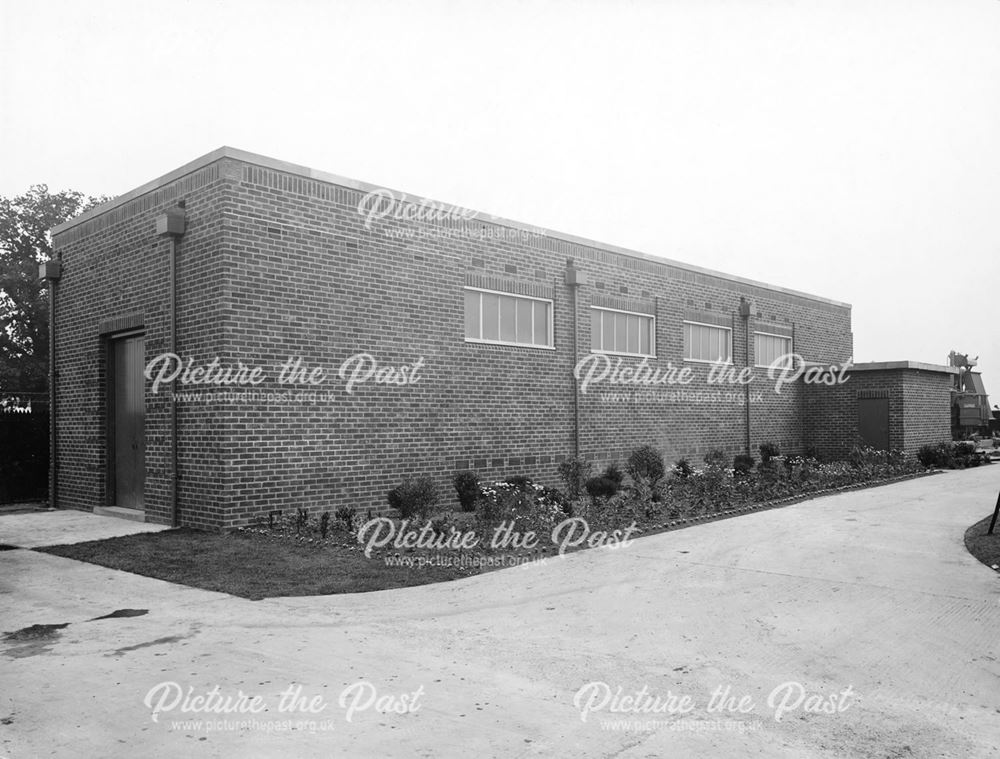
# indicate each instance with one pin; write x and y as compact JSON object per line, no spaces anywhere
{"x":110,"y":342}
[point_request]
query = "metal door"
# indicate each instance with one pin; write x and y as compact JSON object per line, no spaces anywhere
{"x":128,"y":421}
{"x":873,"y":422}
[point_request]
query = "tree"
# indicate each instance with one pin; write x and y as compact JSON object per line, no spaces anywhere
{"x":25,"y":222}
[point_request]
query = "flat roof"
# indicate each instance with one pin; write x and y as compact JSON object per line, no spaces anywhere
{"x":322,"y":176}
{"x":873,"y":366}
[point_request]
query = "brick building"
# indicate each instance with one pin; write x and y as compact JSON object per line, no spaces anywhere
{"x":889,"y":405}
{"x":444,"y":340}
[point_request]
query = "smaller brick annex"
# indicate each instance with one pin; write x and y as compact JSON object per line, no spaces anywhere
{"x":890,"y":405}
{"x":394,"y":337}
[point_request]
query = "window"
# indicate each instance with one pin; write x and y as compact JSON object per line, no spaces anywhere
{"x":622,"y":332}
{"x":768,"y":348}
{"x":506,"y":319}
{"x":707,"y":342}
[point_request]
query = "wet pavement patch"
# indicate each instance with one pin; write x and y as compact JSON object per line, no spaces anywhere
{"x":34,"y":632}
{"x":37,"y":639}
{"x":32,"y":640}
{"x":147,"y":644}
{"x":121,"y":614}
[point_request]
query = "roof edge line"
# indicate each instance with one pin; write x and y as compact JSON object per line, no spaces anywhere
{"x":874,"y":366}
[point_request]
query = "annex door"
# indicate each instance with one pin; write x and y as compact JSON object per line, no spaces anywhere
{"x":873,"y":422}
{"x":128,"y":422}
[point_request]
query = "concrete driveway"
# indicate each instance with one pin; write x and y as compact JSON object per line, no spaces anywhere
{"x":858,"y":619}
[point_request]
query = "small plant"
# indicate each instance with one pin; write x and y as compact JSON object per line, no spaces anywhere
{"x":324,"y":524}
{"x":682,"y":468}
{"x":768,"y":451}
{"x":441,"y":525}
{"x":414,"y":497}
{"x":301,"y":519}
{"x":346,"y":516}
{"x":574,"y":473}
{"x":716,"y":458}
{"x":645,"y":465}
{"x":743,"y":464}
{"x":467,"y":488}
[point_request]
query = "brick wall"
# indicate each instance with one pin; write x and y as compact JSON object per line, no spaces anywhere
{"x":926,"y":408}
{"x":115,"y":273}
{"x":277,"y":265}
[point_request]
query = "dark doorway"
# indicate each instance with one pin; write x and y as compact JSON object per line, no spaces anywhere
{"x":127,"y":424}
{"x":873,"y":422}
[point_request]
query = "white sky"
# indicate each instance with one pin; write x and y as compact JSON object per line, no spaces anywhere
{"x":850,"y":150}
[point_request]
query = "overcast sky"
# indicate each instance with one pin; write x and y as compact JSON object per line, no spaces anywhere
{"x":850,"y":150}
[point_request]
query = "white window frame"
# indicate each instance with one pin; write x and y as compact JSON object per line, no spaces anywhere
{"x":652,"y":337}
{"x":729,"y":330}
{"x":481,"y":341}
{"x":789,"y":338}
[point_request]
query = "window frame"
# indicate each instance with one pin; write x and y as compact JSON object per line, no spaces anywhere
{"x":789,"y":338}
{"x":652,"y":337}
{"x":482,"y":341}
{"x":729,"y":330}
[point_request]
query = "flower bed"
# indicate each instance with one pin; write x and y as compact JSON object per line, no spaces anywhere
{"x":522,"y":519}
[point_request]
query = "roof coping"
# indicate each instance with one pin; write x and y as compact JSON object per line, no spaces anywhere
{"x":875,"y":366}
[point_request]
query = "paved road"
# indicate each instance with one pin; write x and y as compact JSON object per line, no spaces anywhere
{"x":871,"y":591}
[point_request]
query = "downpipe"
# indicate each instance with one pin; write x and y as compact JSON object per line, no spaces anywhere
{"x":172,"y":224}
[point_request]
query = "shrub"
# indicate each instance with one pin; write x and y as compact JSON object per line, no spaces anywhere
{"x":682,"y":468}
{"x":965,"y":454}
{"x":613,"y":473}
{"x":601,"y":487}
{"x":324,"y":524}
{"x":574,"y":474}
{"x":467,"y":488}
{"x":943,"y":455}
{"x":929,"y":455}
{"x":767,"y":452}
{"x":716,"y":458}
{"x":607,"y":484}
{"x":645,"y":465}
{"x":743,"y":463}
{"x":414,"y":497}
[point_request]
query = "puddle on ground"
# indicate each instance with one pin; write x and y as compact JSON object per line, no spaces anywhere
{"x":32,"y":640}
{"x":37,"y":639}
{"x":35,"y":632}
{"x":121,"y":614}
